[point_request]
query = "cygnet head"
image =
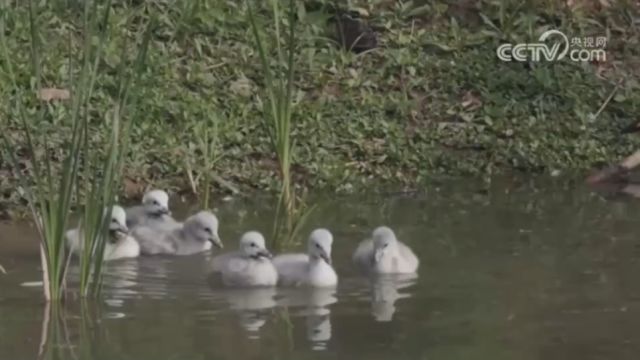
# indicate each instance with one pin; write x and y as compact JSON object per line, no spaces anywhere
{"x":118,"y":221}
{"x":384,"y":242}
{"x":252,"y":245}
{"x":320,"y":242}
{"x":156,"y":203}
{"x":203,"y":226}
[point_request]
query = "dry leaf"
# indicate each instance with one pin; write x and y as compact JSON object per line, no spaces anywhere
{"x":605,"y":3}
{"x":48,"y":94}
{"x":132,"y":188}
{"x":470,"y":101}
{"x":362,"y":12}
{"x":242,"y":86}
{"x":631,"y":161}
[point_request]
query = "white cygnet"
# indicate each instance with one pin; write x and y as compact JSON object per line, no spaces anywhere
{"x":196,"y":235}
{"x":119,"y":245}
{"x":312,"y":269}
{"x":154,"y":211}
{"x":384,"y":254}
{"x":250,"y":266}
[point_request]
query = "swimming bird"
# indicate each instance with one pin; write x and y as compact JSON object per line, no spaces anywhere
{"x":196,"y":235}
{"x":250,"y":266}
{"x":384,"y":254}
{"x":312,"y":269}
{"x":154,"y":211}
{"x":119,"y":245}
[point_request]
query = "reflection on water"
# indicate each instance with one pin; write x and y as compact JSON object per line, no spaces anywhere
{"x":318,"y":331}
{"x":251,"y":306}
{"x":313,"y":304}
{"x":518,"y":272}
{"x":385,"y":291}
{"x":121,"y":278}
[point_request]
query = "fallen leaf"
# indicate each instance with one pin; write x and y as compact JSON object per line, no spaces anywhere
{"x":241,"y":86}
{"x":608,"y":174}
{"x":362,"y":12}
{"x":470,"y":101}
{"x":49,"y":94}
{"x":132,"y":188}
{"x":631,"y":161}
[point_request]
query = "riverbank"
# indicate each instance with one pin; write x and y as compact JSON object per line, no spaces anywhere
{"x":431,"y":100}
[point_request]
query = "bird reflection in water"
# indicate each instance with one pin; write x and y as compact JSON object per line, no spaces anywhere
{"x":385,"y":291}
{"x":251,"y":304}
{"x":313,"y":304}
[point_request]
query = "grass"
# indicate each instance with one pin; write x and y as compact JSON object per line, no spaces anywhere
{"x":201,"y":159}
{"x":90,"y":168}
{"x":431,"y":102}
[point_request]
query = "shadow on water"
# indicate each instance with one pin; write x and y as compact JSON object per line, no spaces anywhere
{"x":519,"y":271}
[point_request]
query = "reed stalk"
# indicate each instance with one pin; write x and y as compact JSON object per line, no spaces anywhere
{"x":278,"y":109}
{"x":52,"y":193}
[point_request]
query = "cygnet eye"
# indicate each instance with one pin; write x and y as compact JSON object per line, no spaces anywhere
{"x":114,"y":221}
{"x":207,"y":230}
{"x":253,"y":245}
{"x":155,"y":202}
{"x":318,"y":245}
{"x":385,"y":245}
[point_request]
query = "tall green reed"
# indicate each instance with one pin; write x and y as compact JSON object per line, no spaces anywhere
{"x":88,"y":176}
{"x":48,"y":199}
{"x":279,"y":71}
{"x":101,"y":192}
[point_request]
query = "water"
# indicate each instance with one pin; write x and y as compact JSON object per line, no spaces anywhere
{"x":522,"y":271}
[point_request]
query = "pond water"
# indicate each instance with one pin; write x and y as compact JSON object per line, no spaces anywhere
{"x":522,"y":270}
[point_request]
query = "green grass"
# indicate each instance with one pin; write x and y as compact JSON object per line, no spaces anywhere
{"x":432,"y":101}
{"x":201,"y":159}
